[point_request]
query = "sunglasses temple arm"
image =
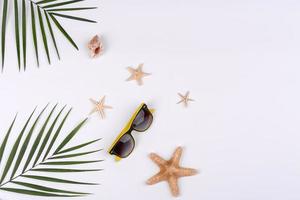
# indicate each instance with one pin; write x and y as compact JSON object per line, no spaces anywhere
{"x":152,"y":110}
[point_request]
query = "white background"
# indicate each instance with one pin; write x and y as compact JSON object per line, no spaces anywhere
{"x":240,"y":61}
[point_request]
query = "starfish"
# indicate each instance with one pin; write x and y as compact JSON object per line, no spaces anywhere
{"x":137,"y":74}
{"x":99,"y":107}
{"x":170,"y":171}
{"x":185,"y":98}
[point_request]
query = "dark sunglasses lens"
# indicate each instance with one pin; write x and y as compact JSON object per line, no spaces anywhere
{"x":143,"y":120}
{"x":124,"y":146}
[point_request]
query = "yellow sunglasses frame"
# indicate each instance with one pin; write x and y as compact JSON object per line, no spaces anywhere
{"x":126,"y":128}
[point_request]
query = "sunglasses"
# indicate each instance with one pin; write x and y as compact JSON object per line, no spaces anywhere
{"x":124,"y":144}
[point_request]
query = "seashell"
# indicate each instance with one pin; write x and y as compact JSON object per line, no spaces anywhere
{"x":95,"y":46}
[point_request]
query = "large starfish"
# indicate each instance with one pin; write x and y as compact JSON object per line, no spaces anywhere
{"x":99,"y":107}
{"x":170,"y":171}
{"x":185,"y":98}
{"x":137,"y":74}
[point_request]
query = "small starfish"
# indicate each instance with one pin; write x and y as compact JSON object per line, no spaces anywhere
{"x":170,"y":171}
{"x":99,"y":107}
{"x":185,"y":98}
{"x":137,"y":74}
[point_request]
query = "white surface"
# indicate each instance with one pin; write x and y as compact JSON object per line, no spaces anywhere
{"x":239,"y":59}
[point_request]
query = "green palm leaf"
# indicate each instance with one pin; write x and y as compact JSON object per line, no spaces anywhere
{"x":70,"y":136}
{"x":73,"y":17}
{"x":43,"y":34}
{"x":24,"y":32}
{"x":56,"y":134}
{"x":36,"y":193}
{"x":61,"y":4}
{"x":61,"y":170}
{"x":16,"y":11}
{"x":25,"y":145}
{"x":77,"y":147}
{"x":47,"y":136}
{"x":3,"y":34}
{"x":14,"y":150}
{"x":75,"y":154}
{"x":71,"y":9}
{"x":45,"y":189}
{"x":33,"y":27}
{"x":56,"y":180}
{"x":44,"y":1}
{"x":39,"y":148}
{"x":38,"y":139}
{"x":63,"y":31}
{"x":70,"y":162}
{"x":51,"y":33}
{"x":3,"y":145}
{"x":42,"y":12}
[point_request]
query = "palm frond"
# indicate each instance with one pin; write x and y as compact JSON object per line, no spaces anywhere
{"x":24,"y":32}
{"x":51,"y":33}
{"x":41,"y":22}
{"x":70,"y":162}
{"x":43,"y":14}
{"x":61,"y":170}
{"x":61,"y":4}
{"x":56,"y":180}
{"x":75,"y":154}
{"x":35,"y":193}
{"x":14,"y":151}
{"x":71,"y":9}
{"x":33,"y":27}
{"x":46,"y":189}
{"x":44,"y":1}
{"x":17,"y":36}
{"x":39,"y":154}
{"x":77,"y":147}
{"x":63,"y":31}
{"x":3,"y":145}
{"x":3,"y":34}
{"x":73,"y":17}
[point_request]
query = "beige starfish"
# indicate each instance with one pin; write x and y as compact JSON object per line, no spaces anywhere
{"x":185,"y":98}
{"x":137,"y":74}
{"x":170,"y":171}
{"x":99,"y":107}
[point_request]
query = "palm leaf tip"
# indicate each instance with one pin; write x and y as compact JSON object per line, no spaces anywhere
{"x":73,"y":17}
{"x":63,"y":31}
{"x":70,"y":136}
{"x":75,"y":154}
{"x":35,"y":193}
{"x":17,"y":36}
{"x":56,"y":180}
{"x":60,"y":170}
{"x":43,"y":32}
{"x":47,"y":189}
{"x":70,"y":162}
{"x":77,"y":147}
{"x":3,"y":35}
{"x":51,"y":33}
{"x":3,"y":145}
{"x":24,"y":32}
